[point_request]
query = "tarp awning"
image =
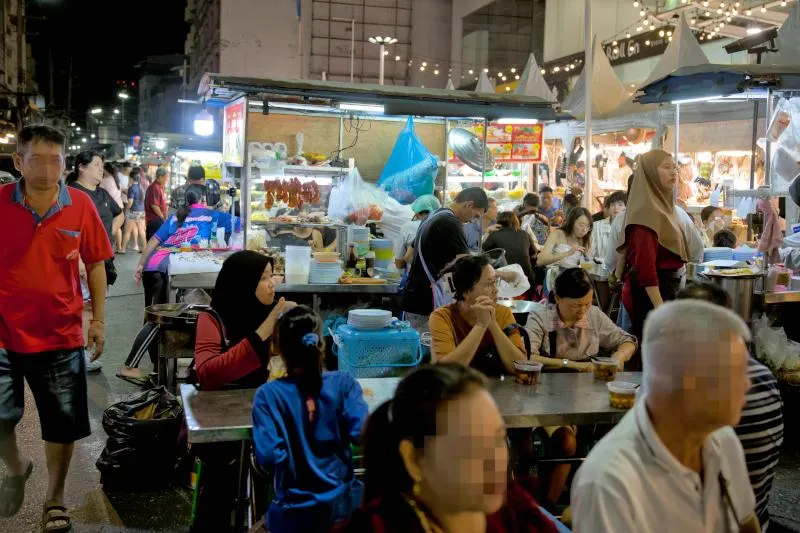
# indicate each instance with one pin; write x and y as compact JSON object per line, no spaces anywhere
{"x":682,"y":51}
{"x":713,"y":80}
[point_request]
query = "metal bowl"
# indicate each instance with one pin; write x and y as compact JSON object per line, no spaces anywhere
{"x":469,"y":149}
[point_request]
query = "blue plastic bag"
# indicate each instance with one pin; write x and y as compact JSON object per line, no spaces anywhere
{"x":411,"y":169}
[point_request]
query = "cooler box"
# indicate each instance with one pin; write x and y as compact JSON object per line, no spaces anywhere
{"x":377,"y":353}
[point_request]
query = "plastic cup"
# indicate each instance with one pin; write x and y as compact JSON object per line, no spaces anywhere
{"x":622,"y":394}
{"x":605,"y":369}
{"x":298,"y":264}
{"x":528,"y":372}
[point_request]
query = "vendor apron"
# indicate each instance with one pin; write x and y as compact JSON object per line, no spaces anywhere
{"x":669,"y":283}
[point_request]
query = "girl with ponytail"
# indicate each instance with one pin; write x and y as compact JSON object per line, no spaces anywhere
{"x":436,"y":461}
{"x":303,"y":426}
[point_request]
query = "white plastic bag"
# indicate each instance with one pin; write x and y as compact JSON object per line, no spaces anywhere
{"x":355,"y":201}
{"x":512,"y":290}
{"x":773,"y":348}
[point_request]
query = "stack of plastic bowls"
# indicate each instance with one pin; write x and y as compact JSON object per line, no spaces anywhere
{"x":384,"y":252}
{"x":298,"y":264}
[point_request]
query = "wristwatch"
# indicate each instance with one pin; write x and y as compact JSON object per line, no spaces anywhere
{"x":564,"y":363}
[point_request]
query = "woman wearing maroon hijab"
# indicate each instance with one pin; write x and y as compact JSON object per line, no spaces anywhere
{"x":436,"y":462}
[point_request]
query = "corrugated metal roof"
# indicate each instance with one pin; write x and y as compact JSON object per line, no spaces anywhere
{"x":397,"y":100}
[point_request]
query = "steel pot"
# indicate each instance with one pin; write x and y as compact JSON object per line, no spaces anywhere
{"x":740,"y":288}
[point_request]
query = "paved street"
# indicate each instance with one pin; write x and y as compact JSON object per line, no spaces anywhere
{"x":95,"y":511}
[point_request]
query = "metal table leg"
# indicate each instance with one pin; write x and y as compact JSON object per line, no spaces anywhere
{"x":241,"y":491}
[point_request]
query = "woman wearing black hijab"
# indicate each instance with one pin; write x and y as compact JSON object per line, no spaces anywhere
{"x":232,"y":340}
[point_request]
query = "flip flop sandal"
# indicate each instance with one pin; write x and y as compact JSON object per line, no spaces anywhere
{"x":55,"y":512}
{"x":12,"y":493}
{"x":138,"y":381}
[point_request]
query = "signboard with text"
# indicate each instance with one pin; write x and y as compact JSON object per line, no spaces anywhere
{"x":234,"y":133}
{"x":510,"y":143}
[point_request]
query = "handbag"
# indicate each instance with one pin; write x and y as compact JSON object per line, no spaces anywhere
{"x":111,"y":271}
{"x":443,"y":291}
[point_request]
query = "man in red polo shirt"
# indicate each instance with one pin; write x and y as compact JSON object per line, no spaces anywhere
{"x":41,"y":338}
{"x":155,"y":203}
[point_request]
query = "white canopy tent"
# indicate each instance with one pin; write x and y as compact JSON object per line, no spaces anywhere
{"x":610,"y":93}
{"x":484,"y":84}
{"x":531,"y":82}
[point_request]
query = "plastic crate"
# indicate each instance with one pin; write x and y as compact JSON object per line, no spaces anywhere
{"x":378,"y":353}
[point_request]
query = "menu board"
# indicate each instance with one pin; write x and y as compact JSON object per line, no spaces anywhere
{"x":234,"y":133}
{"x":511,"y":143}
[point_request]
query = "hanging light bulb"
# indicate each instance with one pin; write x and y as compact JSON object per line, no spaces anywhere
{"x":669,"y":34}
{"x":557,"y":69}
{"x":642,"y":13}
{"x":670,"y":39}
{"x":471,"y":72}
{"x":486,"y":70}
{"x":749,"y":12}
{"x":513,"y":70}
{"x":708,"y":13}
{"x":719,"y":11}
{"x":628,"y":35}
{"x":422,"y":68}
{"x":635,"y":3}
{"x":737,"y":4}
{"x":638,"y":28}
{"x":616,"y":50}
{"x":424,"y":63}
{"x":647,"y":42}
{"x":652,"y":27}
{"x":701,"y":37}
{"x":764,"y":9}
{"x":705,"y":3}
{"x":436,"y":72}
{"x":661,"y":33}
{"x":692,"y":21}
{"x":783,"y":3}
{"x":543,"y":71}
{"x":516,"y":77}
{"x":508,"y":89}
{"x":722,"y":4}
{"x":499,"y":74}
{"x":721,"y":24}
{"x":614,"y":43}
{"x":397,"y":58}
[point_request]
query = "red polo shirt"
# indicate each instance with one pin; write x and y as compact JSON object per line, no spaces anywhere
{"x":154,"y":196}
{"x":40,"y":293}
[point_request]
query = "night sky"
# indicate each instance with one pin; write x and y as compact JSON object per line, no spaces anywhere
{"x":105,"y":47}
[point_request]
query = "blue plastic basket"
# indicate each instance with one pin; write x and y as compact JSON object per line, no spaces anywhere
{"x":377,"y":353}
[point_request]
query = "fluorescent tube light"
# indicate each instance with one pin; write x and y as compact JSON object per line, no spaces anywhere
{"x":369,"y":108}
{"x":518,"y":121}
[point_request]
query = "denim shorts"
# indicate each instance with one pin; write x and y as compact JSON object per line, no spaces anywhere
{"x":58,"y":382}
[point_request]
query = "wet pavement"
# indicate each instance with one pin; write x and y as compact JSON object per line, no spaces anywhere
{"x":95,"y":511}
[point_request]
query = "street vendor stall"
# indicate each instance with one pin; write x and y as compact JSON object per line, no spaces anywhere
{"x":731,"y":83}
{"x":303,"y":156}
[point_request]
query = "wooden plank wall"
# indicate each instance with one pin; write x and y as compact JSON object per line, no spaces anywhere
{"x":375,"y":141}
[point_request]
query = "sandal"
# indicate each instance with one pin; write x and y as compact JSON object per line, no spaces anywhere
{"x":55,"y":518}
{"x":12,"y":492}
{"x":139,"y":381}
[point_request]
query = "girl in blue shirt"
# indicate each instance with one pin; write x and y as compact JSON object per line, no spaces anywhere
{"x":303,"y":426}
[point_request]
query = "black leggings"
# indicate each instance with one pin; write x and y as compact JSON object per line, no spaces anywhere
{"x":155,"y":292}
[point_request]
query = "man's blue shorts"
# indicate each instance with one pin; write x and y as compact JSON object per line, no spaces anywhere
{"x":57,"y":380}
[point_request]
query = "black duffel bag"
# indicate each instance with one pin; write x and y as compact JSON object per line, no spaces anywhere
{"x":146,"y":443}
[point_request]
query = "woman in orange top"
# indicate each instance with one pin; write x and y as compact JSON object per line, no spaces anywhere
{"x":655,"y":248}
{"x":474,"y":330}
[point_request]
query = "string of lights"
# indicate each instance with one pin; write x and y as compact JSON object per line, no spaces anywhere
{"x":716,"y":15}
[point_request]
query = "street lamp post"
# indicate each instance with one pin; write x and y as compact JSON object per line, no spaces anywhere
{"x":382,"y":41}
{"x":123,"y":96}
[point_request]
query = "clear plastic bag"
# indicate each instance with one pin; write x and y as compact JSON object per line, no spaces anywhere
{"x":411,"y":169}
{"x":354,"y":201}
{"x":773,"y":348}
{"x":512,"y":290}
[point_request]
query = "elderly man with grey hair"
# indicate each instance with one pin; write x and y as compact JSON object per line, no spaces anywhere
{"x":674,"y":463}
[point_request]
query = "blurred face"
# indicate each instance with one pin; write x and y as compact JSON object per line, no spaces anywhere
{"x":469,"y":212}
{"x":41,"y":164}
{"x":491,"y":213}
{"x":464,"y":468}
{"x":621,"y":161}
{"x":574,"y":309}
{"x":162,"y":180}
{"x":547,"y":200}
{"x":668,"y":173}
{"x":93,"y":172}
{"x":616,"y":208}
{"x":722,"y":385}
{"x":582,"y":227}
{"x":265,"y":290}
{"x":486,"y":286}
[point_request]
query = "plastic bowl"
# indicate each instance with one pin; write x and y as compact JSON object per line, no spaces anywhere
{"x":528,"y":372}
{"x":605,"y":369}
{"x":622,"y":394}
{"x":326,"y":257}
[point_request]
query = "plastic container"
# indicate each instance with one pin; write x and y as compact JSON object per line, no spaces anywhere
{"x":384,"y":252}
{"x":605,"y":368}
{"x":386,"y":352}
{"x":358,"y":236}
{"x":326,"y":257}
{"x":528,"y":372}
{"x":298,"y":264}
{"x":622,"y":394}
{"x":221,"y":238}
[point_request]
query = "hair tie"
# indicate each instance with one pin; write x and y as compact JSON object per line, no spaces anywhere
{"x":310,"y":339}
